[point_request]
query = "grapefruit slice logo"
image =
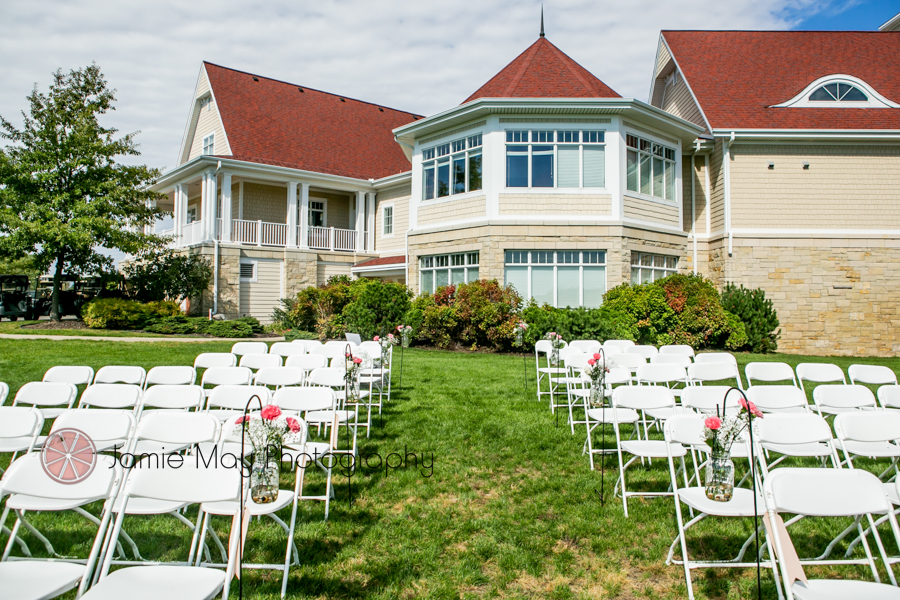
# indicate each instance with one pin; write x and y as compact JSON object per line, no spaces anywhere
{"x":68,"y":456}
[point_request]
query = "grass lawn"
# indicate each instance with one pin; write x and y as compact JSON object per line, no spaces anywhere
{"x":509,"y":510}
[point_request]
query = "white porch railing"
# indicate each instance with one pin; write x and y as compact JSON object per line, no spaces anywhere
{"x":330,"y":238}
{"x":192,"y":233}
{"x":261,"y":233}
{"x":244,"y":232}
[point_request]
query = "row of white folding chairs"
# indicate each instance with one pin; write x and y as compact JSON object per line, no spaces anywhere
{"x":771,"y":372}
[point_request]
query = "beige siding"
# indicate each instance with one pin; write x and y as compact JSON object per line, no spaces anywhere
{"x":700,"y":192}
{"x":327,"y":270}
{"x":717,"y":183}
{"x":205,"y":121}
{"x":647,"y":210}
{"x":556,"y":204}
{"x":258,"y":298}
{"x":337,"y":211}
{"x":845,"y":187}
{"x":235,"y":200}
{"x":677,"y":100}
{"x":454,"y":210}
{"x":265,"y":203}
{"x":687,"y":180}
{"x":400,"y":198}
{"x":663,"y":67}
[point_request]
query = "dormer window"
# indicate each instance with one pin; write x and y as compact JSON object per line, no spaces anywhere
{"x":209,"y":144}
{"x":838,"y":91}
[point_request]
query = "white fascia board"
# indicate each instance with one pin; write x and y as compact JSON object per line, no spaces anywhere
{"x":811,"y":134}
{"x":805,"y":233}
{"x":892,"y":24}
{"x":656,"y":68}
{"x":392,"y":180}
{"x":688,"y":84}
{"x":400,"y":268}
{"x":187,"y":126}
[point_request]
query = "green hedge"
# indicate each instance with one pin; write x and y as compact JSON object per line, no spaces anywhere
{"x":179,"y":324}
{"x":116,"y":313}
{"x":756,"y":313}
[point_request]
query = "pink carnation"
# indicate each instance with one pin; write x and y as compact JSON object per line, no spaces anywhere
{"x":390,"y":336}
{"x":240,"y":420}
{"x":552,"y":334}
{"x":357,"y":360}
{"x":713,"y":423}
{"x":597,"y":356}
{"x":399,"y":327}
{"x":271,"y":412}
{"x":376,"y":338}
{"x":293,"y":424}
{"x":592,"y":362}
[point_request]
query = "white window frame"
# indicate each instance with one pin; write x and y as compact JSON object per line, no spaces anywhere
{"x":209,"y":142}
{"x":527,"y":295}
{"x":556,"y":144}
{"x":324,"y":202}
{"x":636,"y":265}
{"x":255,"y":276}
{"x":802,"y":100}
{"x":473,"y":145}
{"x":192,"y":211}
{"x":432,"y":259}
{"x":384,"y":210}
{"x":653,"y":141}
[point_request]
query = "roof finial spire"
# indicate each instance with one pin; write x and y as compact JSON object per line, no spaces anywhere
{"x":542,"y":20}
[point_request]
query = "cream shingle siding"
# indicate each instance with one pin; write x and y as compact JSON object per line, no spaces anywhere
{"x":454,"y":210}
{"x":687,"y":179}
{"x":554,"y":205}
{"x":677,"y":100}
{"x":205,"y":121}
{"x":338,"y":209}
{"x":700,"y":192}
{"x":400,"y":198}
{"x":846,"y":187}
{"x":647,"y":210}
{"x":662,"y":68}
{"x":717,"y":193}
{"x":326,"y":270}
{"x":265,"y":203}
{"x":260,"y":297}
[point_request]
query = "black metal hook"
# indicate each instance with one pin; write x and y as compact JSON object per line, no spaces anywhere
{"x":241,"y":511}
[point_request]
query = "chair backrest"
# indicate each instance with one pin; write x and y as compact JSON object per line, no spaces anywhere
{"x":769,"y":372}
{"x":308,"y":344}
{"x":647,"y":352}
{"x":872,"y":374}
{"x":576,"y":361}
{"x":261,"y":361}
{"x":99,"y":425}
{"x":46,"y":393}
{"x":190,"y":483}
{"x":27,"y":476}
{"x":327,"y":377}
{"x":174,"y":397}
{"x":332,"y":351}
{"x":624,"y":344}
{"x":20,"y":422}
{"x":111,"y":395}
{"x":777,"y":398}
{"x":287,"y":349}
{"x":4,"y":392}
{"x":353,"y":338}
{"x":227,"y":376}
{"x":709,"y":399}
{"x":889,"y":396}
{"x":307,"y":362}
{"x":338,"y":343}
{"x":661,"y":373}
{"x":685,"y":429}
{"x":300,"y":400}
{"x":629,"y":360}
{"x":586,"y":346}
{"x":178,"y":428}
{"x":681,"y":360}
{"x":121,"y":374}
{"x":682,"y":349}
{"x":209,"y":360}
{"x":820,"y":373}
{"x":825,"y":492}
{"x":370,"y":347}
{"x":714,"y":357}
{"x":713,"y":371}
{"x":643,"y":397}
{"x":614,"y":349}
{"x":789,"y":428}
{"x":280,"y":376}
{"x":844,"y":396}
{"x":171,"y":376}
{"x":236,"y":397}
{"x":242,"y":348}
{"x":543,"y":346}
{"x":616,"y":375}
{"x":868,"y":426}
{"x":66,"y":374}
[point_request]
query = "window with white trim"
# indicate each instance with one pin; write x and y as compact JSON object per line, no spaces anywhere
{"x":316,"y":213}
{"x":452,"y":168}
{"x":387,"y":219}
{"x":838,"y":92}
{"x":559,"y":278}
{"x":647,"y":267}
{"x":650,"y":168}
{"x":556,"y":159}
{"x":209,"y":144}
{"x":447,"y":269}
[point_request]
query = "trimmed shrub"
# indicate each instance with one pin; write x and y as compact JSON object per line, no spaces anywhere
{"x":756,"y":313}
{"x":229,"y":329}
{"x":172,"y":326}
{"x":377,"y":308}
{"x":116,"y":313}
{"x":293,"y":334}
{"x":252,"y":322}
{"x":604,"y":323}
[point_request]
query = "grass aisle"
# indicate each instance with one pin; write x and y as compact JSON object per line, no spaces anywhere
{"x":504,"y":505}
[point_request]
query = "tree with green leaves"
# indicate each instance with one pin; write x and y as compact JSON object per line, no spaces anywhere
{"x":63,"y":195}
{"x":165,"y":275}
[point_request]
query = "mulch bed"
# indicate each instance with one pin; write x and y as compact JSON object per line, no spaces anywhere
{"x":75,"y":324}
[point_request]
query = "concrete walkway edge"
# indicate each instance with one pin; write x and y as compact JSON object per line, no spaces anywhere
{"x":97,"y":338}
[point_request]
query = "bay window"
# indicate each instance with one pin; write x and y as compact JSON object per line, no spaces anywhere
{"x":650,"y":168}
{"x":558,"y":278}
{"x":447,"y":269}
{"x":452,"y":168}
{"x":646,"y":267}
{"x":555,"y":159}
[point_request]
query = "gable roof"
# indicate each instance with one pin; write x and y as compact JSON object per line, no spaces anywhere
{"x":277,"y":123}
{"x":543,"y":71}
{"x":737,"y":76}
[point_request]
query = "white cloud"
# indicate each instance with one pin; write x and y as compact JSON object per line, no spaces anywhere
{"x":422,"y":57}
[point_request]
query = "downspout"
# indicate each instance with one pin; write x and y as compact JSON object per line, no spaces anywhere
{"x":216,"y":252}
{"x":694,"y":208}
{"x":727,"y":167}
{"x":412,"y":148}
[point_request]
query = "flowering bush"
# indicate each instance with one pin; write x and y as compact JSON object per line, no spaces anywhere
{"x":268,"y":428}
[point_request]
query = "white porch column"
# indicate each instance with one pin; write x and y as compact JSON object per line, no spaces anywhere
{"x":370,"y":221}
{"x":177,"y":223}
{"x":204,"y":206}
{"x":226,"y":207}
{"x":213,"y":204}
{"x":304,"y":214}
{"x":292,"y":214}
{"x":360,"y":221}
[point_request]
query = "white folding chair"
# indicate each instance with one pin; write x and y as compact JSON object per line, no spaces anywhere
{"x":600,"y":416}
{"x":173,"y":397}
{"x":682,"y":349}
{"x":20,"y":427}
{"x":279,"y":376}
{"x":334,"y":379}
{"x":778,"y":399}
{"x":333,"y":350}
{"x":171,"y":376}
{"x":869,"y":433}
{"x":794,"y":435}
{"x":31,"y":489}
{"x":688,"y":431}
{"x":111,"y":395}
{"x":586,"y":346}
{"x":624,"y":345}
{"x":665,"y":374}
{"x":575,"y":362}
{"x":872,"y":375}
{"x":285,"y":349}
{"x":701,"y":372}
{"x":308,"y":344}
{"x":209,"y":360}
{"x":226,"y":401}
{"x":121,"y":374}
{"x":682,"y":360}
{"x":647,"y":352}
{"x":242,"y":348}
{"x":58,"y":397}
{"x":819,"y":373}
{"x":769,"y":372}
{"x":545,"y":348}
{"x":307,"y":362}
{"x":718,"y":357}
{"x":4,"y":392}
{"x":189,"y":484}
{"x":630,"y":360}
{"x":353,"y":338}
{"x":889,"y":396}
{"x":709,"y":399}
{"x":67,"y":374}
{"x":827,"y":493}
{"x":261,"y":361}
{"x":642,"y":399}
{"x":834,"y":399}
{"x":108,"y":429}
{"x":226,"y":376}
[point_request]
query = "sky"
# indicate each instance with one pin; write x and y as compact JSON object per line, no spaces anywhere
{"x":422,"y":57}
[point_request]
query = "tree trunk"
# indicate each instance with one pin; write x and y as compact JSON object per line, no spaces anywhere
{"x":57,"y":283}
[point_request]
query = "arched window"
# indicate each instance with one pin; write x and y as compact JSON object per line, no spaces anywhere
{"x":838,"y":92}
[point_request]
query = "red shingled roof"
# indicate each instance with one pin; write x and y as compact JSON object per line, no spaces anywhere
{"x":543,"y":71}
{"x":737,"y":75}
{"x":273,"y":122}
{"x":386,"y":260}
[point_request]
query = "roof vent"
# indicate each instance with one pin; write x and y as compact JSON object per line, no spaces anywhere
{"x":256,"y":79}
{"x":381,"y":109}
{"x":301,"y":89}
{"x":342,"y":100}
